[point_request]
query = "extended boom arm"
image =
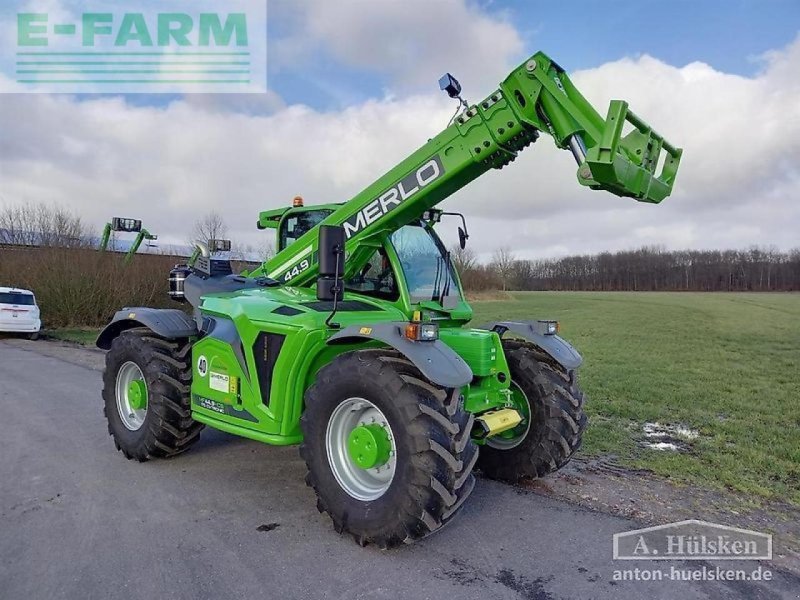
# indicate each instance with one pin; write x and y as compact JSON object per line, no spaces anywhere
{"x":537,"y":96}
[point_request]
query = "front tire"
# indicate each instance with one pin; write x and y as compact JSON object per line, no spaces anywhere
{"x":546,"y":441}
{"x":146,"y":395}
{"x":432,"y":454}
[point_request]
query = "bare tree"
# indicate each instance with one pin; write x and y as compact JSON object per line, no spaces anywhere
{"x":503,"y":265}
{"x":211,"y":226}
{"x":249,"y":253}
{"x":42,"y":225}
{"x":464,"y":259}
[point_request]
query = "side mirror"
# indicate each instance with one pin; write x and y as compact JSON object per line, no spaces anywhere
{"x":331,"y":263}
{"x":462,"y":238}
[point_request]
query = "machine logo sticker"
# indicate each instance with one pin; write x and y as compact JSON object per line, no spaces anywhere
{"x":209,"y":404}
{"x":202,"y":366}
{"x":219,"y":382}
{"x":394,"y":196}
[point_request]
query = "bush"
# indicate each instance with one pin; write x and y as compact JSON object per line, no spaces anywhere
{"x":80,"y":287}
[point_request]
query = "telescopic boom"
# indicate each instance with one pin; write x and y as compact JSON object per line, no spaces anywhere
{"x":538,"y":96}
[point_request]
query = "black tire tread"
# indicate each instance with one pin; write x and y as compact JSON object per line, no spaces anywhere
{"x":439,"y":430}
{"x":166,"y":365}
{"x":552,"y":443}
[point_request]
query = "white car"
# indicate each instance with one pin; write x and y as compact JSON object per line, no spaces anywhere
{"x":18,"y":312}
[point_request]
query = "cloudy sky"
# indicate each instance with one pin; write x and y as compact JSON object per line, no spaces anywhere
{"x":353,"y":89}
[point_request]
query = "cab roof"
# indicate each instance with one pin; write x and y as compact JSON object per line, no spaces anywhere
{"x":270,"y":219}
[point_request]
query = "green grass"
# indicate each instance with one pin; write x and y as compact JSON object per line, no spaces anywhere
{"x":85,"y":337}
{"x":724,"y":364}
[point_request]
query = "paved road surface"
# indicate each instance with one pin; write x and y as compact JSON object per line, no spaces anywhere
{"x":233,"y":519}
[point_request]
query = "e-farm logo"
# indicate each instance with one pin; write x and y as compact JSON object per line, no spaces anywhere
{"x":173,"y":46}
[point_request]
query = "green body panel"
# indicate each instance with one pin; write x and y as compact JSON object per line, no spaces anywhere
{"x":302,"y":354}
{"x":140,"y":237}
{"x":536,"y":97}
{"x":105,"y":237}
{"x":476,"y":347}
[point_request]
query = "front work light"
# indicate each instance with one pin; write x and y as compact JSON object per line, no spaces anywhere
{"x":422,"y":332}
{"x":548,"y":327}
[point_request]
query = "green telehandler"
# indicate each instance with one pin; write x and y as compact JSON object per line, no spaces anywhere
{"x":121,"y":224}
{"x":353,"y":340}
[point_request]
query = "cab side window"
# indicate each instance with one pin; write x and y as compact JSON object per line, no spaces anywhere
{"x":295,"y":226}
{"x":376,"y":278}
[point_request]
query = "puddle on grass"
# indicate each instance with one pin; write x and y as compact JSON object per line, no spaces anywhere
{"x":668,"y":438}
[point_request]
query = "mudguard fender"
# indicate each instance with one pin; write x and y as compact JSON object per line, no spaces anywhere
{"x":169,"y":323}
{"x":435,"y":360}
{"x":554,"y":346}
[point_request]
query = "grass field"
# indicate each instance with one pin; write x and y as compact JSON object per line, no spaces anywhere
{"x":726,"y":365}
{"x":86,"y":337}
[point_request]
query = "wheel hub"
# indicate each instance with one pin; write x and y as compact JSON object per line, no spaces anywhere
{"x":369,"y":446}
{"x":137,"y":394}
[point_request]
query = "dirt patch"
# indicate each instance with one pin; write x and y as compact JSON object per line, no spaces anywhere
{"x":601,"y":484}
{"x":668,"y":438}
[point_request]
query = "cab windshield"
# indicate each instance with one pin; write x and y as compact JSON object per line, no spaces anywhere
{"x":424,"y":266}
{"x":428,"y":273}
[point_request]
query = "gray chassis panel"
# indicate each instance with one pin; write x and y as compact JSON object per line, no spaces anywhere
{"x":168,"y":323}
{"x":436,"y":360}
{"x":558,"y":348}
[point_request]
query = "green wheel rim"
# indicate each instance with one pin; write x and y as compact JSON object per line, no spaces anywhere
{"x":131,"y":396}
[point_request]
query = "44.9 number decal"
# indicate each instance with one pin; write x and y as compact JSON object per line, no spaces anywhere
{"x":298,"y":268}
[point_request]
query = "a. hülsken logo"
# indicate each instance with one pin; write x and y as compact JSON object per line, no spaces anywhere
{"x":692,"y":540}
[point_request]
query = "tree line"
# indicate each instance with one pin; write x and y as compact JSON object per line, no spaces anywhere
{"x":42,"y":225}
{"x":645,"y":269}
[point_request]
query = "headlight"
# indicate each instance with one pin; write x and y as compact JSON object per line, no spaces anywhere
{"x":422,"y":332}
{"x":548,"y":327}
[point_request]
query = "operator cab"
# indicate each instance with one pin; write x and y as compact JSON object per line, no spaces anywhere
{"x":423,"y":264}
{"x":415,"y":249}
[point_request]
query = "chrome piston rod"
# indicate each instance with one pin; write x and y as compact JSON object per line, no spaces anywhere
{"x":578,"y":148}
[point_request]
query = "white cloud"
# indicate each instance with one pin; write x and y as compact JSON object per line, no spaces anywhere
{"x":738,"y":183}
{"x":413,"y":41}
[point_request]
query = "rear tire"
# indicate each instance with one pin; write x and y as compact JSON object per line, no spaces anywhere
{"x":165,"y":426}
{"x":33,"y":336}
{"x":557,"y":418}
{"x":434,"y":454}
